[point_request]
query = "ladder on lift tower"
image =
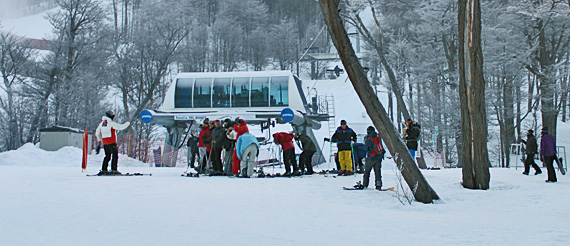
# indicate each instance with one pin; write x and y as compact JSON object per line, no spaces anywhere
{"x":331,"y":124}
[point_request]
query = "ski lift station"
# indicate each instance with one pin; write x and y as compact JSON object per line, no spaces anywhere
{"x":260,"y":98}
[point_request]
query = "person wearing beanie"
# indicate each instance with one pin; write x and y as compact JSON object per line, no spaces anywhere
{"x":531,"y":150}
{"x":343,"y":137}
{"x":374,"y":155}
{"x":412,"y":136}
{"x":106,"y":134}
{"x":548,"y":153}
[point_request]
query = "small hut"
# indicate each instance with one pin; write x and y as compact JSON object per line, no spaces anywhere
{"x":55,"y":137}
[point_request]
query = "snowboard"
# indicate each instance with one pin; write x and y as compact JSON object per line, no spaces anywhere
{"x":352,"y":188}
{"x":192,"y":175}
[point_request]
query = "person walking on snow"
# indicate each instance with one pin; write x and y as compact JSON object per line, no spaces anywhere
{"x":247,"y":148}
{"x":412,"y":137}
{"x":374,"y":155}
{"x":531,"y":150}
{"x":344,"y":137}
{"x":106,"y":133}
{"x":309,"y":149}
{"x":548,"y":153}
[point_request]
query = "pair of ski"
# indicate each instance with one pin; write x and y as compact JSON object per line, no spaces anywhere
{"x":122,"y":174}
{"x":353,"y":188}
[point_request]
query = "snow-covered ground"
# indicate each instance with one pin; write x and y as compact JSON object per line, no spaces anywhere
{"x":47,"y":200}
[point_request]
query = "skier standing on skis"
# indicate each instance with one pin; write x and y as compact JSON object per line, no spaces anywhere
{"x":229,"y":148}
{"x":240,"y":127}
{"x":286,"y":142}
{"x":219,"y":140}
{"x":412,"y":136}
{"x":106,"y":133}
{"x":374,"y":155}
{"x":531,"y":150}
{"x":202,"y":149}
{"x":192,"y":149}
{"x":548,"y":153}
{"x":247,"y":148}
{"x":344,"y":137}
{"x":309,"y":149}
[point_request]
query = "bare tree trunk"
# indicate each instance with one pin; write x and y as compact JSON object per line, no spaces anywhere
{"x":472,"y":96}
{"x":412,"y":175}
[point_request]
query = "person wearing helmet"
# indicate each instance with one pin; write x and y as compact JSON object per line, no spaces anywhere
{"x":106,"y":134}
{"x":374,"y":155}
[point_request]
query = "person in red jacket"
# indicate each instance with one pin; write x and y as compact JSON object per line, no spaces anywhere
{"x":202,"y":148}
{"x":286,"y":142}
{"x":106,"y":133}
{"x":240,"y":127}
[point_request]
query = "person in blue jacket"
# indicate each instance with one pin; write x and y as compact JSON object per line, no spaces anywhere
{"x":247,"y":148}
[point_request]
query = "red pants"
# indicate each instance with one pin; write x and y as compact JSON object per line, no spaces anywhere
{"x":236,"y":163}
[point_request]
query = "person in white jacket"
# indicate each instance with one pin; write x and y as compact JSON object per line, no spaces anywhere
{"x":106,"y":133}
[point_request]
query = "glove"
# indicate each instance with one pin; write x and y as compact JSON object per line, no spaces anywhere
{"x":98,"y":148}
{"x":541,"y":158}
{"x":327,"y":139}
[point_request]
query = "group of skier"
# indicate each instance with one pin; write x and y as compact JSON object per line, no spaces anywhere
{"x":230,"y":137}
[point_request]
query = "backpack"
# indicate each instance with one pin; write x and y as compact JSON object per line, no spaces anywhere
{"x":379,"y":148}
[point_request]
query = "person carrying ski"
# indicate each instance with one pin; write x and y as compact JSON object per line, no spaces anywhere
{"x":106,"y":133}
{"x":344,"y":137}
{"x":240,"y":126}
{"x":286,"y":141}
{"x":412,"y":136}
{"x":247,"y":148}
{"x":531,"y":150}
{"x":192,"y":145}
{"x":548,"y":153}
{"x":374,"y":155}
{"x":309,"y":149}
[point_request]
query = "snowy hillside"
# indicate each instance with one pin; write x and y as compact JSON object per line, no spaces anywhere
{"x":54,"y":203}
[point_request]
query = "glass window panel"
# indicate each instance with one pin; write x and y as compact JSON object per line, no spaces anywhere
{"x":260,"y":92}
{"x":279,"y":91}
{"x":221,"y":95}
{"x":240,"y":92}
{"x":202,"y":93}
{"x":183,"y":93}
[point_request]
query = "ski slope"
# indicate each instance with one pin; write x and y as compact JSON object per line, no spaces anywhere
{"x":49,"y":201}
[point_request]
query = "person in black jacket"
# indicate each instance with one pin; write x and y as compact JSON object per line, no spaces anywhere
{"x":309,"y":148}
{"x":192,"y":150}
{"x":531,"y":150}
{"x":344,"y":136}
{"x":218,"y":143}
{"x":412,"y":136}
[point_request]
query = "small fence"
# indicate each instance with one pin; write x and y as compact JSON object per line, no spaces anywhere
{"x":155,"y":153}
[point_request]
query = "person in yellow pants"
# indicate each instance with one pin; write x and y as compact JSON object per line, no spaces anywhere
{"x":343,"y":137}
